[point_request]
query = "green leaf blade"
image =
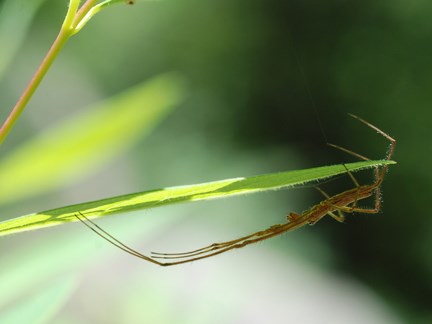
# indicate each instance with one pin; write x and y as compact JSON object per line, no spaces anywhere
{"x":188,"y":193}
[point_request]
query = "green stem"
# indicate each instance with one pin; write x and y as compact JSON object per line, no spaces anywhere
{"x":85,"y":8}
{"x":73,"y":7}
{"x":58,"y":44}
{"x":75,"y":19}
{"x":65,"y":33}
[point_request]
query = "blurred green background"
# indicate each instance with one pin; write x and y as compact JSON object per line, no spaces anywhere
{"x":268,"y":83}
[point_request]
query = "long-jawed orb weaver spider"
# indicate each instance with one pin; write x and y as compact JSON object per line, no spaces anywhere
{"x":334,"y":206}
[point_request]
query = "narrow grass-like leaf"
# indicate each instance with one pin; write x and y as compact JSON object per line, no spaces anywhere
{"x":166,"y":196}
{"x":79,"y":145}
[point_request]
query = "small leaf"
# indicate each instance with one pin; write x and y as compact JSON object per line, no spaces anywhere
{"x":166,"y":196}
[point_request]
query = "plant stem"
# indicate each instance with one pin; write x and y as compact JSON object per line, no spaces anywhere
{"x":58,"y":44}
{"x":85,"y":8}
{"x":74,"y":18}
{"x":65,"y":33}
